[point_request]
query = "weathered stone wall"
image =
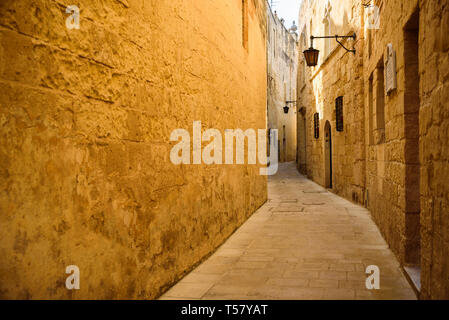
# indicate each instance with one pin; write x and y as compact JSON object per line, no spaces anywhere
{"x":407,"y":171}
{"x":282,"y":51}
{"x":386,"y":146}
{"x":85,"y":122}
{"x":403,"y":180}
{"x":434,"y":148}
{"x":338,"y":74}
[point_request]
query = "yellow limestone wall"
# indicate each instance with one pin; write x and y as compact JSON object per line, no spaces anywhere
{"x":282,"y":74}
{"x":377,"y":166}
{"x":85,"y":122}
{"x":424,"y":235}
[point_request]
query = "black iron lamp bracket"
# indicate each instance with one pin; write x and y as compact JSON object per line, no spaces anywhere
{"x":336,"y":37}
{"x":286,"y":108}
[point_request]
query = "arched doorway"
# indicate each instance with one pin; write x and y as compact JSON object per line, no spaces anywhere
{"x":328,"y":154}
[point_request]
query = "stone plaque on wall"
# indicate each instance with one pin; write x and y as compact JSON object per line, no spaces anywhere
{"x":391,"y":82}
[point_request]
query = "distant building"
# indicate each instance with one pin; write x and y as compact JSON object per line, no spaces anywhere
{"x":282,"y":74}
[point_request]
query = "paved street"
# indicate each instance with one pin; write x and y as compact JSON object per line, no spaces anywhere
{"x":304,"y":243}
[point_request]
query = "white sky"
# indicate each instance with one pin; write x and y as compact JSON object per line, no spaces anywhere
{"x":287,"y":9}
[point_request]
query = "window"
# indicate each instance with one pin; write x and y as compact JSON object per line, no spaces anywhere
{"x":339,"y":113}
{"x":316,"y":125}
{"x":380,"y":103}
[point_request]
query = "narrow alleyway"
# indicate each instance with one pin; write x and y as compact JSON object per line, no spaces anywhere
{"x":304,"y":243}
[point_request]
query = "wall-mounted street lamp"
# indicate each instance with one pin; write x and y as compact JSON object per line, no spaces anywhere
{"x":286,"y":108}
{"x":311,"y":54}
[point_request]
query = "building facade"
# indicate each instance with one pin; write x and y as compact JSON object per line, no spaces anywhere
{"x":326,"y":155}
{"x":373,"y":125}
{"x":86,"y":117}
{"x":282,"y":51}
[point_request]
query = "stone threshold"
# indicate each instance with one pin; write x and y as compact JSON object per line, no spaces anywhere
{"x":413,"y":276}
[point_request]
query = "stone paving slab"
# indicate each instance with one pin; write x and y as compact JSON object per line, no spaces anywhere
{"x":304,"y":243}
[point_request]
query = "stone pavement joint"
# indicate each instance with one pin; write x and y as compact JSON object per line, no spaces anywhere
{"x":296,"y":252}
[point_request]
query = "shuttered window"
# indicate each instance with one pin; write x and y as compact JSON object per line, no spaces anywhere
{"x":316,"y":125}
{"x":339,"y":113}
